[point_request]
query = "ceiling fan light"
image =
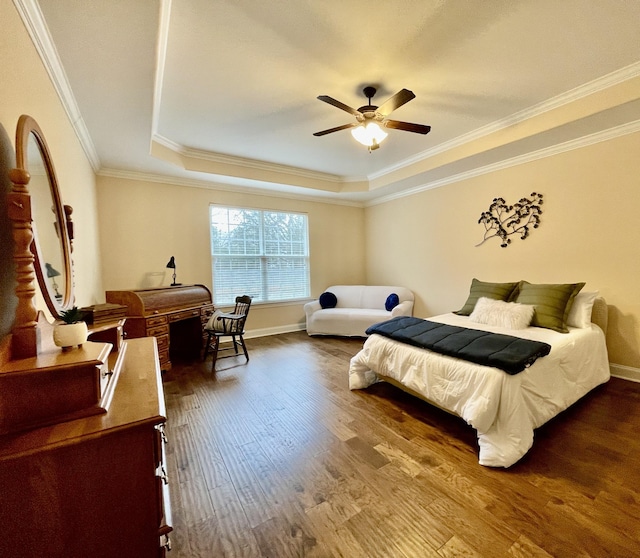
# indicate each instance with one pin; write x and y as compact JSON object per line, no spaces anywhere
{"x":369,"y":134}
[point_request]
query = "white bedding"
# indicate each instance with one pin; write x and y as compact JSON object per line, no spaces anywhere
{"x":503,"y":409}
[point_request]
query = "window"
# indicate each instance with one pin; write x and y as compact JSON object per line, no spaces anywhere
{"x":264,"y":254}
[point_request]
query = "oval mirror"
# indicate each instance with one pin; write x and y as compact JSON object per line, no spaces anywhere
{"x":51,"y":244}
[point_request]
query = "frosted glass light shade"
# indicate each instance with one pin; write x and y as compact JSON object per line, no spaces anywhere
{"x":369,"y":134}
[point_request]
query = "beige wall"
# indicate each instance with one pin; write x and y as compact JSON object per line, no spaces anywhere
{"x":25,"y":88}
{"x":424,"y":242}
{"x":589,"y":232}
{"x":143,"y":224}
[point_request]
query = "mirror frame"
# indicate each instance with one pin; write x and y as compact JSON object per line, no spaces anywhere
{"x":26,"y":129}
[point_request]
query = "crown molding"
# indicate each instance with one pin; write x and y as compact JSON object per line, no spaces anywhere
{"x":35,"y":24}
{"x":31,"y":16}
{"x":161,"y":58}
{"x":585,"y":141}
{"x":220,"y":186}
{"x":571,"y":145}
{"x":253,"y":164}
{"x":594,"y":86}
{"x":568,"y":97}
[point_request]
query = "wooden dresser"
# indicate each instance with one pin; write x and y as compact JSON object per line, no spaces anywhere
{"x":93,"y":486}
{"x":175,"y":316}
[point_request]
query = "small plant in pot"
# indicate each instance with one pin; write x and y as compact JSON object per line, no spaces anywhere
{"x":72,"y":331}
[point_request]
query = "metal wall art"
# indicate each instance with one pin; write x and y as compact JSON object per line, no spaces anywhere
{"x":502,"y":220}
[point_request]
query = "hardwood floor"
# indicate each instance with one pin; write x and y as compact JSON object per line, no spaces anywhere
{"x":277,"y":458}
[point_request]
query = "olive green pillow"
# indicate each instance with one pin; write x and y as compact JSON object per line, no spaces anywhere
{"x":552,"y":303}
{"x":496,"y":291}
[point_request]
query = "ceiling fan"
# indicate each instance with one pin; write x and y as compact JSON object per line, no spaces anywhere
{"x":369,"y":118}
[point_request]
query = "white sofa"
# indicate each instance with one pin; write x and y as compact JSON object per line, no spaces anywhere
{"x":357,"y":308}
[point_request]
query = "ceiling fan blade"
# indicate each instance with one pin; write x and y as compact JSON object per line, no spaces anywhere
{"x":407,"y":126}
{"x":400,"y":98}
{"x":336,"y":129}
{"x":340,"y":105}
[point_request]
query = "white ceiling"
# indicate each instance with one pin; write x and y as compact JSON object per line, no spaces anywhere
{"x":228,"y":88}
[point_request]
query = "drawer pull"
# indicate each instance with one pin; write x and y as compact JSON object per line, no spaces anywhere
{"x":163,"y":475}
{"x":163,"y":434}
{"x":167,"y":542}
{"x":106,"y":373}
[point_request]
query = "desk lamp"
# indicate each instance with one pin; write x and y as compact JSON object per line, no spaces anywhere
{"x":52,"y":273}
{"x":172,"y":265}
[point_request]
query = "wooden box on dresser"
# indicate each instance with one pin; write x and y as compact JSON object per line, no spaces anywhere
{"x":94,"y":486}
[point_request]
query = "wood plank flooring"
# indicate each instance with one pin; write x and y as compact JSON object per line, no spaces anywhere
{"x":277,"y":458}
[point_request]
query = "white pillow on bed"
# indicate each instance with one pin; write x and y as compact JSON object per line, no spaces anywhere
{"x":580,"y":313}
{"x":510,"y":315}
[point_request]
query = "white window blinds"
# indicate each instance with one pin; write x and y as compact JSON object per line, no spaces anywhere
{"x":263,"y":254}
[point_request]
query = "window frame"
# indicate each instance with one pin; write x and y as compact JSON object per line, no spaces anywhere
{"x":265,"y":257}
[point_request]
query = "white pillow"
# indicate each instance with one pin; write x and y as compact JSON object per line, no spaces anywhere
{"x":216,"y":323}
{"x":580,"y":313}
{"x":510,"y":315}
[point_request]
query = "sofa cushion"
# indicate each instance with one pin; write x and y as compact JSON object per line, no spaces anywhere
{"x":350,"y":322}
{"x":349,"y":296}
{"x":376,"y":296}
{"x":391,"y":302}
{"x":367,"y":296}
{"x":328,"y":300}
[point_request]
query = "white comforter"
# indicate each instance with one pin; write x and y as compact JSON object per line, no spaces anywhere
{"x":503,"y":409}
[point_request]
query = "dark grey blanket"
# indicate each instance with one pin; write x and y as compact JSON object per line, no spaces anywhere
{"x":506,"y":352}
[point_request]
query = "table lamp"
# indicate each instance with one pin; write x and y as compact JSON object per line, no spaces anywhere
{"x":172,"y":265}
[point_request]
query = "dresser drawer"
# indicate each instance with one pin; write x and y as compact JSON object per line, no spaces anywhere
{"x":158,"y":330}
{"x":156,"y":320}
{"x":163,"y":501}
{"x":162,"y":341}
{"x":206,"y":310}
{"x":163,"y":357}
{"x":165,"y":522}
{"x":184,"y":315}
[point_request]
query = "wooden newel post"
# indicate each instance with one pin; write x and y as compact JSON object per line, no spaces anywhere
{"x":25,"y":330}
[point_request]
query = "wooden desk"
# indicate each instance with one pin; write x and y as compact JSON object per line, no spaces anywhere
{"x":175,"y":316}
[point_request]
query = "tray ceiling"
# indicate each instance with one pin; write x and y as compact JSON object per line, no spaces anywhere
{"x":224,"y":92}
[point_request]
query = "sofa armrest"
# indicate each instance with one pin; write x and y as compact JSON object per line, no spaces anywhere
{"x":405,"y":308}
{"x":311,"y":307}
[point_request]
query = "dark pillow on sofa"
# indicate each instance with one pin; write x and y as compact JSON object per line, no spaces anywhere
{"x":392,"y":301}
{"x":328,"y":300}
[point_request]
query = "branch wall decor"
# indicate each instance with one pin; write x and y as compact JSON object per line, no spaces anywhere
{"x":502,"y":220}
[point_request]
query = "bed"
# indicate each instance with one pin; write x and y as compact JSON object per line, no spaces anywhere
{"x":503,"y":408}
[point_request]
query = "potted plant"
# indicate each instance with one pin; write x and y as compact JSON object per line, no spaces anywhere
{"x":72,"y":331}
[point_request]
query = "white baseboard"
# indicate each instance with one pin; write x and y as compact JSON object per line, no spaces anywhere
{"x":625,"y":372}
{"x":264,"y":332}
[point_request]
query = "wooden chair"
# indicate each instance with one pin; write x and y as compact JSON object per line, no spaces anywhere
{"x":227,"y":324}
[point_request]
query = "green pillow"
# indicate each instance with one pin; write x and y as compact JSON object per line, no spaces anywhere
{"x":552,"y":302}
{"x":496,"y":291}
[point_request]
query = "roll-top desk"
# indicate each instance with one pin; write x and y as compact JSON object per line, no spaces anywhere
{"x":96,"y":485}
{"x":175,"y":316}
